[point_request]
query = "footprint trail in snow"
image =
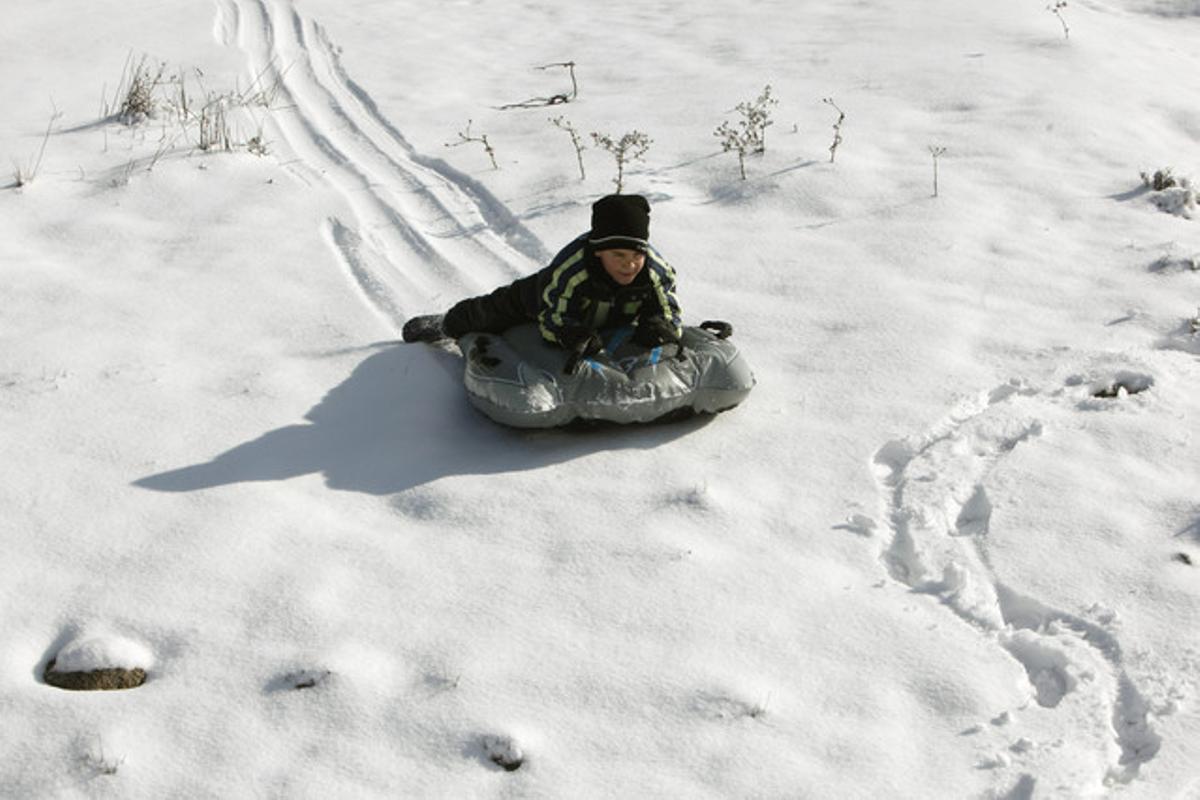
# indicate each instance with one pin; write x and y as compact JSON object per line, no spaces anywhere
{"x":937,"y":512}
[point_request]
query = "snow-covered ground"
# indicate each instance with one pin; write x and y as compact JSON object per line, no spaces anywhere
{"x":947,"y":548}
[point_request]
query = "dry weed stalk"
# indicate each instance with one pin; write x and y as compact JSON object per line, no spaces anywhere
{"x":630,"y":147}
{"x":183,"y":99}
{"x":937,"y":152}
{"x":837,"y":128}
{"x":1056,"y":10}
{"x":23,"y":176}
{"x":554,"y":99}
{"x":750,"y":133}
{"x":562,"y":123}
{"x":464,"y":136}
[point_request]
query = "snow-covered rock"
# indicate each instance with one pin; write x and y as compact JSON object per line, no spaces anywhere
{"x":100,"y":662}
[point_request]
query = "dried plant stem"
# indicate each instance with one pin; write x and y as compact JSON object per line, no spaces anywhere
{"x":22,"y":177}
{"x":630,"y":147}
{"x":750,"y":134}
{"x":464,"y":136}
{"x":1056,"y":10}
{"x":732,"y":139}
{"x":837,"y":128}
{"x":554,"y":99}
{"x":562,"y":124}
{"x":937,"y":153}
{"x":570,"y":66}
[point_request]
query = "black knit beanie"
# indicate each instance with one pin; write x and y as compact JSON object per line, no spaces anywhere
{"x":620,"y":221}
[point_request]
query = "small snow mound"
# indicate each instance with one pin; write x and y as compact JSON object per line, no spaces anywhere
{"x":1178,"y":200}
{"x":503,"y":751}
{"x":99,"y":663}
{"x":1122,"y":384}
{"x":1015,"y":386}
{"x":1022,"y":746}
{"x":1175,"y":195}
{"x":103,"y":652}
{"x":997,"y":761}
{"x":860,"y":524}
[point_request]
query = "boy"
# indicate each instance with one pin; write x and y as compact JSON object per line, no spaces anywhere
{"x":605,"y":278}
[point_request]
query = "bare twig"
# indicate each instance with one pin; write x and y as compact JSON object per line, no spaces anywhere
{"x":465,"y":136}
{"x":537,"y":102}
{"x":264,"y":96}
{"x":562,"y":123}
{"x":1056,"y":10}
{"x":732,"y":139}
{"x":24,"y":176}
{"x":570,"y":65}
{"x":837,"y":128}
{"x":554,"y":99}
{"x":937,"y":152}
{"x":164,"y":146}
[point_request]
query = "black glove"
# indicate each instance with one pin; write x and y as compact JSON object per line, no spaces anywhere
{"x":653,"y":331}
{"x":581,"y":343}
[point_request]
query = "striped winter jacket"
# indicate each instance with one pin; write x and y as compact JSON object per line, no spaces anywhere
{"x":575,"y":291}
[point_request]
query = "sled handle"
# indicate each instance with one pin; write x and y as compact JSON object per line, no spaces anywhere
{"x":478,"y":353}
{"x":718,"y":328}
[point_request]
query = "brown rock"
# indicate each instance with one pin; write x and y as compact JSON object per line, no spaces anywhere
{"x":100,"y":680}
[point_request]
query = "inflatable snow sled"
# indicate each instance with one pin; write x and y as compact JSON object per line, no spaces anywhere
{"x":518,"y":379}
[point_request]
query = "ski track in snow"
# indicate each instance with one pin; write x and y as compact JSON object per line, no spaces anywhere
{"x":937,"y":509}
{"x":422,"y":232}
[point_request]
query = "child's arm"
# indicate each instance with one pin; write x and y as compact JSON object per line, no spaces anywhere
{"x":664,"y":304}
{"x":559,"y":317}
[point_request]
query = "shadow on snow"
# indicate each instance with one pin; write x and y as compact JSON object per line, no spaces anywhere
{"x":402,"y":419}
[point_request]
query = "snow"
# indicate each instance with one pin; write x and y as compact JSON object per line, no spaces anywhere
{"x":946,"y":548}
{"x":103,"y":651}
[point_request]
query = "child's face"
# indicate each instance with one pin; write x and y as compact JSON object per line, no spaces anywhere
{"x":622,"y":265}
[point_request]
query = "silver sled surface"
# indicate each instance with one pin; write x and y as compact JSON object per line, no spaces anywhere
{"x":518,"y":379}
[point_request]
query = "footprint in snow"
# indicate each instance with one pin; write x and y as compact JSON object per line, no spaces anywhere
{"x":935,"y":531}
{"x":1114,"y":386}
{"x":719,"y":707}
{"x":1171,"y":264}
